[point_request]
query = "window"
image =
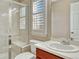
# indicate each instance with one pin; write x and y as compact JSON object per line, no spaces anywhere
{"x":39,"y":17}
{"x":22,"y":18}
{"x":22,"y":11}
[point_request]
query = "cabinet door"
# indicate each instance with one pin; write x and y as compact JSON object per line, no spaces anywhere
{"x":38,"y":57}
{"x":45,"y":55}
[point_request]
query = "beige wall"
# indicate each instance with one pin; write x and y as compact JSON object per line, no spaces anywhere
{"x":60,"y":19}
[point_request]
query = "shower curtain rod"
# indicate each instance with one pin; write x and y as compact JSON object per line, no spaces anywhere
{"x":11,"y":1}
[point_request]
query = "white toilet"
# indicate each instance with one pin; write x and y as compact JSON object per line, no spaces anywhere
{"x":28,"y":55}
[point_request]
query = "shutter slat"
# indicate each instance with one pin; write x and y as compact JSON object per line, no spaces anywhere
{"x":39,"y":18}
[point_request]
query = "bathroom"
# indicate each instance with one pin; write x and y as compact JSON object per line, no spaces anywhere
{"x":31,"y":29}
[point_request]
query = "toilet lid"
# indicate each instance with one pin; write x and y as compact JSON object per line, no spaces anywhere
{"x":26,"y":55}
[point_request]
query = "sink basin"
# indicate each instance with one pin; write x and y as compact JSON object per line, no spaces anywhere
{"x":61,"y":47}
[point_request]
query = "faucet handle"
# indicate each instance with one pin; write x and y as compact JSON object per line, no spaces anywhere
{"x":72,"y":38}
{"x":65,"y":42}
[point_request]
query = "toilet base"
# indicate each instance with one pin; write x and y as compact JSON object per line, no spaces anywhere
{"x":26,"y":55}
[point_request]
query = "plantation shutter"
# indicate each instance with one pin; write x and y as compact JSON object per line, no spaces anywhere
{"x":39,"y":17}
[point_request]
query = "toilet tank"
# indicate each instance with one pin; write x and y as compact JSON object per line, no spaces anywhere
{"x":33,"y":48}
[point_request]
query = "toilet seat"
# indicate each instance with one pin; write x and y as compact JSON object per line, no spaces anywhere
{"x":26,"y":55}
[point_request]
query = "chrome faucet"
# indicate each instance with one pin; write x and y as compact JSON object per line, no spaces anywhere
{"x":65,"y":42}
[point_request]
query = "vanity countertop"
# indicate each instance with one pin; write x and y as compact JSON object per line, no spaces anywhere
{"x":68,"y":55}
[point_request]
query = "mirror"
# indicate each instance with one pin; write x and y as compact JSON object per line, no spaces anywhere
{"x":74,"y":19}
